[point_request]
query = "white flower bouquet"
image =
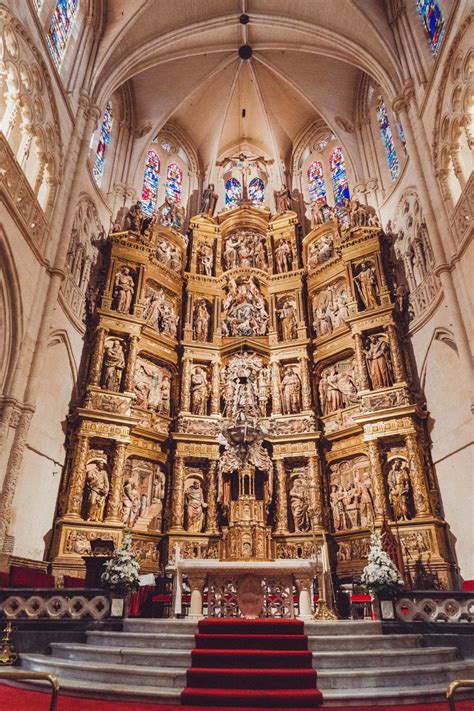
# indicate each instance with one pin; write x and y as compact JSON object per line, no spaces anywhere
{"x":122,"y":570}
{"x":380,"y":575}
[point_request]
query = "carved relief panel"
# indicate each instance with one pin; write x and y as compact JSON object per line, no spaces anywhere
{"x":330,"y":307}
{"x":152,"y":386}
{"x":142,"y":495}
{"x":320,"y":251}
{"x":338,"y":386}
{"x":350,"y":493}
{"x":244,"y":249}
{"x":168,"y":255}
{"x":161,"y":309}
{"x":379,"y":360}
{"x":244,"y":309}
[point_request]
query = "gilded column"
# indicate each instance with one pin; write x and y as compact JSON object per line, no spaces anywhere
{"x":177,"y":502}
{"x":315,"y":492}
{"x":417,"y":477}
{"x":276,"y":394}
{"x":131,"y":360}
{"x":380,"y":502}
{"x":215,"y":388}
{"x":186,"y":384}
{"x":361,"y":364}
{"x":305,"y":383}
{"x":397,"y":358}
{"x":211,"y":499}
{"x":78,"y":478}
{"x":112,"y":508}
{"x":281,"y":513}
{"x":96,"y":360}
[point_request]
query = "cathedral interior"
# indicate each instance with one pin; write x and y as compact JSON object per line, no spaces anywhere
{"x":237,"y":226}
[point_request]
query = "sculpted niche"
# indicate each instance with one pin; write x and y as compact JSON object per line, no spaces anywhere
{"x":244,"y":309}
{"x":350,"y":493}
{"x":142,"y":494}
{"x":330,"y":307}
{"x":338,"y":386}
{"x":161,"y":310}
{"x":152,"y":386}
{"x":245,"y":382}
{"x":244,"y":249}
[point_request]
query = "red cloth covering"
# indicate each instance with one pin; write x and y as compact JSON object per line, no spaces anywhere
{"x":468,"y":586}
{"x":4,"y":580}
{"x":23,"y":577}
{"x":140,"y":602}
{"x":361,"y":598}
{"x":72,"y":582}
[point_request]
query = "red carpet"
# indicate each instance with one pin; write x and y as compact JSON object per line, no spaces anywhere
{"x":251,"y":663}
{"x":12,"y":699}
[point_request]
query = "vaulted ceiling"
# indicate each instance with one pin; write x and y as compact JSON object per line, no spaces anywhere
{"x":181,"y":62}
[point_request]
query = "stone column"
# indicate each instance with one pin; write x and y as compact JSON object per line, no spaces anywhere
{"x":112,"y":508}
{"x":315,"y":491}
{"x":131,"y":360}
{"x":281,"y":513}
{"x":211,"y":499}
{"x":458,"y":171}
{"x":215,"y":388}
{"x":196,"y":583}
{"x":399,"y":372}
{"x":276,"y":393}
{"x":177,"y":499}
{"x":380,"y":501}
{"x":186,"y":384}
{"x":303,"y":585}
{"x":361,"y":364}
{"x":417,"y":476}
{"x":305,"y":383}
{"x":97,"y":356}
{"x":443,"y":176}
{"x":77,"y":478}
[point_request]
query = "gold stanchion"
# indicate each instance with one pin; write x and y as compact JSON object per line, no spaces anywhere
{"x":8,"y":656}
{"x":35,"y":676}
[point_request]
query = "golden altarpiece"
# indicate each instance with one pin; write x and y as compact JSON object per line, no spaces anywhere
{"x":301,"y":333}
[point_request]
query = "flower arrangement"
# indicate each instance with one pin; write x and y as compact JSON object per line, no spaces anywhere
{"x":380,"y":575}
{"x":122,"y":570}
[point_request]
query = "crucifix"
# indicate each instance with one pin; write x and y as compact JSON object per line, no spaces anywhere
{"x":244,"y":164}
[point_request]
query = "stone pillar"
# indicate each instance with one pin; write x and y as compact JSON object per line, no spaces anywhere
{"x":211,"y":499}
{"x":399,"y":372}
{"x":177,"y":498}
{"x":458,"y":171}
{"x":303,"y":585}
{"x":97,"y":356}
{"x":77,"y":478}
{"x":186,"y":384}
{"x":443,"y":176}
{"x":215,"y":388}
{"x":131,"y":360}
{"x":196,"y":583}
{"x":276,"y":392}
{"x":281,"y":513}
{"x":112,"y":508}
{"x":315,"y":491}
{"x":380,"y":501}
{"x":305,"y":383}
{"x":417,"y":476}
{"x":361,"y":364}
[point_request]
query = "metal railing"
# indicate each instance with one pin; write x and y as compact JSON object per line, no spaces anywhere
{"x":35,"y":676}
{"x":453,"y":687}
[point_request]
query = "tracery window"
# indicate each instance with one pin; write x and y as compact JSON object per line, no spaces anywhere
{"x":316,"y":184}
{"x":433,"y":22}
{"x":60,"y":27}
{"x":151,"y":178}
{"x":387,"y":139}
{"x":257,"y":190}
{"x":339,"y":178}
{"x":104,"y":140}
{"x":401,"y":133}
{"x":174,"y":181}
{"x":233,"y":192}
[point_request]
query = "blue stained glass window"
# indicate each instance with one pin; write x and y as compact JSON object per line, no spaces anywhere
{"x":339,"y":179}
{"x":233,"y":192}
{"x":316,"y":184}
{"x":174,"y":180}
{"x":104,"y":140}
{"x":257,"y":190}
{"x":60,"y":27}
{"x":387,"y":139}
{"x":151,"y":178}
{"x":401,"y":133}
{"x":433,"y":22}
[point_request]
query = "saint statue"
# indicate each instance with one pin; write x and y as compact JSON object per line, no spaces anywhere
{"x":282,"y":200}
{"x":124,"y":290}
{"x":379,"y":364}
{"x":299,"y":506}
{"x":195,"y":506}
{"x":366,"y":285}
{"x":202,"y":320}
{"x":288,"y":321}
{"x":399,"y":485}
{"x":199,"y":391}
{"x":291,"y":391}
{"x":114,"y":363}
{"x":209,"y":201}
{"x":97,"y":486}
{"x":283,"y":256}
{"x":130,"y":503}
{"x":134,"y":217}
{"x":204,"y":259}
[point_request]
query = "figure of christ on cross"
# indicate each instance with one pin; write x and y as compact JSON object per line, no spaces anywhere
{"x":244,"y":164}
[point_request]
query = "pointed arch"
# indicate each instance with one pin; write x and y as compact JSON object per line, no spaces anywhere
{"x":11,"y":314}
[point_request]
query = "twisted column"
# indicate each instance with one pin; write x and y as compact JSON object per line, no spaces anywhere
{"x":131,"y":360}
{"x":305,"y":383}
{"x":96,"y":360}
{"x":186,"y":384}
{"x":361,"y":364}
{"x":211,"y":499}
{"x":417,"y":476}
{"x":177,"y":502}
{"x":276,"y":394}
{"x":112,"y":507}
{"x":78,"y":478}
{"x":397,"y":357}
{"x":281,"y":513}
{"x":315,"y":491}
{"x":215,"y":388}
{"x":380,"y":501}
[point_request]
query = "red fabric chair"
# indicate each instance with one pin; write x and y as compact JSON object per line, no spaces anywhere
{"x":4,"y":580}
{"x":361,"y":607}
{"x":72,"y":582}
{"x":23,"y":577}
{"x":140,"y":602}
{"x":468,"y":586}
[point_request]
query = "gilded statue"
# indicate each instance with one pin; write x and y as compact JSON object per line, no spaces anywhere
{"x":288,"y":320}
{"x":320,"y":251}
{"x":377,"y":354}
{"x":209,"y":201}
{"x":282,"y":200}
{"x":130,"y":503}
{"x":134,"y":217}
{"x":291,"y":391}
{"x":97,"y":487}
{"x":367,"y":286}
{"x":195,"y":506}
{"x":299,"y":506}
{"x":337,"y":389}
{"x":204,"y":259}
{"x":399,"y":485}
{"x":124,"y":290}
{"x":199,"y":391}
{"x":283,"y":256}
{"x":202,"y":320}
{"x":114,"y":364}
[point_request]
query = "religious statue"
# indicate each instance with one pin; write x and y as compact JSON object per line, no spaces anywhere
{"x":367,"y":286}
{"x":299,"y":506}
{"x":134,"y":217}
{"x":204,"y":259}
{"x":199,"y":391}
{"x":202,"y":319}
{"x":209,"y":201}
{"x":124,"y":290}
{"x":195,"y":506}
{"x":169,"y":255}
{"x":152,"y":387}
{"x":336,"y":389}
{"x":170,"y":214}
{"x":130,"y":503}
{"x":263,"y":389}
{"x":291,"y":391}
{"x":320,"y":251}
{"x":243,"y":164}
{"x":341,"y":520}
{"x":283,"y":256}
{"x":399,"y":485}
{"x":288,"y":320}
{"x":160,"y":312}
{"x":244,"y":310}
{"x":361,"y":215}
{"x":97,"y":487}
{"x":282,"y":200}
{"x":114,"y":363}
{"x":377,"y":354}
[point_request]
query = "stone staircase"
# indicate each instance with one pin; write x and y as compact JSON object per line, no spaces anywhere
{"x":354,"y":660}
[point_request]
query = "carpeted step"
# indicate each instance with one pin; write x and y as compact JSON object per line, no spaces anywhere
{"x":254,"y":679}
{"x":255,"y":659}
{"x":252,"y":641}
{"x":249,"y":627}
{"x":263,"y":699}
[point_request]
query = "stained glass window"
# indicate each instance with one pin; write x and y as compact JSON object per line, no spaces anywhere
{"x":151,"y":177}
{"x":401,"y":133}
{"x":233,"y":192}
{"x":257,"y":190}
{"x":104,"y":140}
{"x":339,"y":178}
{"x":316,"y":184}
{"x":60,"y":27}
{"x":174,"y":180}
{"x":38,"y":4}
{"x":433,"y":22}
{"x":387,"y":139}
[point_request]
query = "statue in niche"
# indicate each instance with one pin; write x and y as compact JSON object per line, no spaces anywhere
{"x":320,"y":251}
{"x":283,"y":256}
{"x":195,"y":506}
{"x":160,"y":312}
{"x":291,"y":391}
{"x":282,"y":200}
{"x":124,"y":290}
{"x":377,"y":354}
{"x":204,"y":259}
{"x":337,"y":388}
{"x":142,"y":494}
{"x":244,"y":309}
{"x":244,"y":249}
{"x":169,"y":255}
{"x":209,"y":201}
{"x":114,"y":364}
{"x":134,"y":217}
{"x":350,"y":494}
{"x":260,"y":255}
{"x":399,"y":485}
{"x":202,"y":320}
{"x":231,"y":252}
{"x":166,"y":395}
{"x":263,"y":389}
{"x":330,"y":308}
{"x":366,"y":283}
{"x":130,"y":503}
{"x":97,"y":487}
{"x":299,"y":506}
{"x":199,"y":391}
{"x":245,"y":383}
{"x":152,"y":387}
{"x":288,"y":320}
